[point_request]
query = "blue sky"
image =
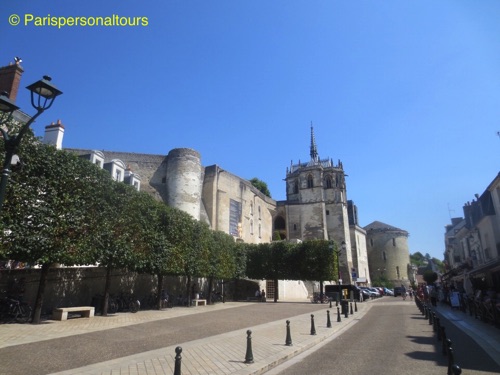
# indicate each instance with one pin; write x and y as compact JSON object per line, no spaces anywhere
{"x":405,"y":93}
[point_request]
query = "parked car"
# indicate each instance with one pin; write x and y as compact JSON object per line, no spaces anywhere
{"x":388,"y":292}
{"x":398,"y":291}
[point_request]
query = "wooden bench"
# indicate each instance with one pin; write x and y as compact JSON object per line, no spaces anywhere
{"x":197,"y":302}
{"x":61,"y":313}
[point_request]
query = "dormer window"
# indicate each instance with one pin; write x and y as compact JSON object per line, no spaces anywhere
{"x":116,"y":168}
{"x":97,"y":158}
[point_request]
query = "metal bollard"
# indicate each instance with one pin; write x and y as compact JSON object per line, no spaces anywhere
{"x":456,"y":370}
{"x":338,"y":314}
{"x":249,"y":354}
{"x":355,"y":307}
{"x":330,"y":302}
{"x":288,"y":341}
{"x":346,"y":312}
{"x":351,"y":308}
{"x":443,"y":337}
{"x":178,"y":360}
{"x":313,"y":329}
{"x":328,"y":321}
{"x":430,"y":317}
{"x":426,"y":312}
{"x":451,"y":357}
{"x":438,"y":328}
{"x":434,"y":322}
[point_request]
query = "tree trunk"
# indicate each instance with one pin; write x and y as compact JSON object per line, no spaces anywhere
{"x":276,"y":289}
{"x":39,"y":296}
{"x":159,"y":296}
{"x":188,"y":290}
{"x":210,"y":287}
{"x":107,"y":285}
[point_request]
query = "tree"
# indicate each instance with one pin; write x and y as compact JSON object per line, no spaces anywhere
{"x":430,"y":276}
{"x":261,"y":186}
{"x":50,"y":212}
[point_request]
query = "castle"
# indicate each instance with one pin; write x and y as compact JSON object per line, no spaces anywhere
{"x":316,"y":205}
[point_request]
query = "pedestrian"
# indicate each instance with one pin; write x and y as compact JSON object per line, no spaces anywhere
{"x":257,"y":294}
{"x":263,"y":295}
{"x":403,"y":292}
{"x":410,"y":293}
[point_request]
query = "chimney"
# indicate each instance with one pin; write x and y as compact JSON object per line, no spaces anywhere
{"x":10,"y":78}
{"x":54,"y":134}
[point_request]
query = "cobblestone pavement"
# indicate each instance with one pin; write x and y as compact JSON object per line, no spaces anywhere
{"x":213,"y":339}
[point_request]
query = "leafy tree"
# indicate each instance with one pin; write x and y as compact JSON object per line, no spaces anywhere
{"x":318,"y":261}
{"x":430,"y":276}
{"x":50,"y":213}
{"x":222,"y":259}
{"x":261,"y":185}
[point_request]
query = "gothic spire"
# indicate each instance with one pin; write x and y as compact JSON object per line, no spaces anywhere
{"x":314,"y":150}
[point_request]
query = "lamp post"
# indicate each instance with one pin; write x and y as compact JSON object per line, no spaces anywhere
{"x":43,"y":94}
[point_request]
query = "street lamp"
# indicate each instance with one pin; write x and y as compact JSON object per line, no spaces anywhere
{"x":43,"y":94}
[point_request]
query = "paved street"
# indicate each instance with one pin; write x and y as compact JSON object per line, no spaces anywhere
{"x":393,"y":338}
{"x":214,"y":341}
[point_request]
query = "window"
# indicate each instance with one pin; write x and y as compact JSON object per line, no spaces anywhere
{"x":234,"y":217}
{"x":251,"y":227}
{"x":295,"y":187}
{"x":393,"y":242}
{"x":310,"y":181}
{"x":260,"y":231}
{"x":251,"y":208}
{"x":328,"y":212}
{"x":328,"y":182}
{"x":259,"y":213}
{"x":384,"y":256}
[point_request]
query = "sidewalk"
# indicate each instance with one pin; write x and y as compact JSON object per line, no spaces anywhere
{"x":486,"y":335}
{"x":225,"y":353}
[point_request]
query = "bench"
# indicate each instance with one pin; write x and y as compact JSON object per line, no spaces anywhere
{"x":200,"y":302}
{"x":61,"y":313}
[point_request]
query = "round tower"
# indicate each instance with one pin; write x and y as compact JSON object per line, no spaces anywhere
{"x":388,"y":254}
{"x":184,"y":182}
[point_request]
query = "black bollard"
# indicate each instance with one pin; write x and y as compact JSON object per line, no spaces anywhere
{"x":355,"y":307}
{"x":249,"y":354}
{"x":451,"y":357}
{"x":288,"y":341}
{"x":346,"y":311}
{"x":438,"y":328}
{"x":328,"y":321}
{"x":178,"y":360}
{"x":426,"y":310}
{"x":351,"y":308}
{"x":434,"y":322}
{"x":338,"y":314}
{"x":443,"y":337}
{"x":313,"y":329}
{"x":330,"y":302}
{"x":456,"y":370}
{"x":430,"y":317}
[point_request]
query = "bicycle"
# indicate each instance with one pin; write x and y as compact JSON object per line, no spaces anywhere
{"x":14,"y":310}
{"x":125,"y":302}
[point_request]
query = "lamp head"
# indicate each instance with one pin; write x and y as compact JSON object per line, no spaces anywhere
{"x":43,"y":89}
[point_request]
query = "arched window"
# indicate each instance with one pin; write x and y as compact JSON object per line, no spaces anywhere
{"x":296,"y":187}
{"x":328,"y":182}
{"x":251,"y":227}
{"x":310,"y":181}
{"x":251,"y":208}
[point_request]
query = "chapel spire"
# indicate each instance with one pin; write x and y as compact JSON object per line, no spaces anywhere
{"x":314,"y":150}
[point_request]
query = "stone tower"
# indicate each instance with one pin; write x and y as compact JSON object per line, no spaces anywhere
{"x":388,"y":253}
{"x":316,"y":205}
{"x":184,"y":180}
